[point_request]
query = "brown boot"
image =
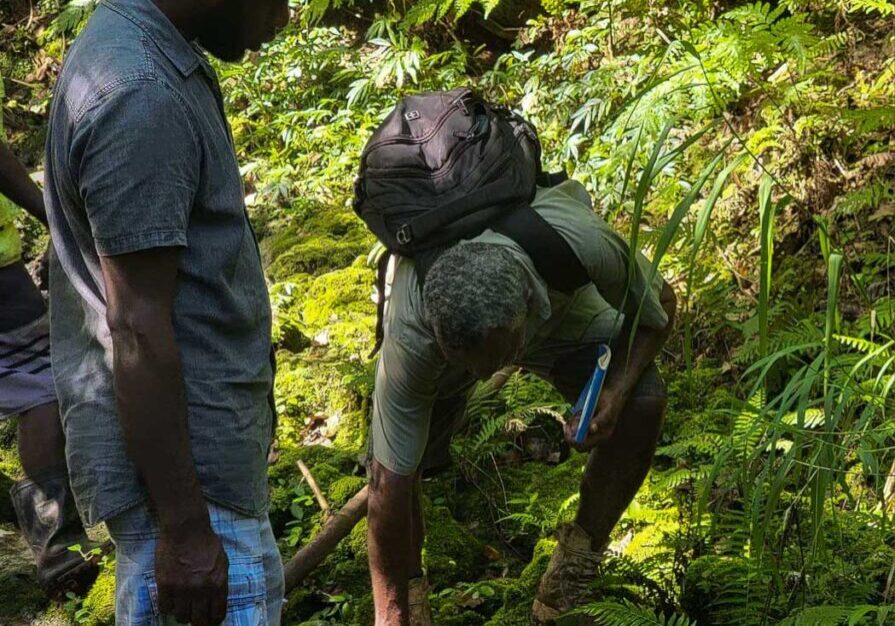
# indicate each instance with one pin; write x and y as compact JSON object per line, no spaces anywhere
{"x":418,"y":597}
{"x":50,"y":524}
{"x":568,"y":581}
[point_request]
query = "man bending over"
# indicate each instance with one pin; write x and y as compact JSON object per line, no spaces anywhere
{"x":484,"y":306}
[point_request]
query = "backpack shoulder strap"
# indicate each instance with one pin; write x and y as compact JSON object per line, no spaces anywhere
{"x":552,"y":255}
{"x":551,"y":179}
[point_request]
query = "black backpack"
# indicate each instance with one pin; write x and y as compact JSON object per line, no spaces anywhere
{"x":444,"y":166}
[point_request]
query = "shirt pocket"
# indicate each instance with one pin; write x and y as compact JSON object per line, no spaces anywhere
{"x":246,"y":593}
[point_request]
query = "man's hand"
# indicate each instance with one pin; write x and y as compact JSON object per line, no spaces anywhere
{"x":602,"y":426}
{"x":191,"y":574}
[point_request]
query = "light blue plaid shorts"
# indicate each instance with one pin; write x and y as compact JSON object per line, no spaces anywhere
{"x":256,"y":569}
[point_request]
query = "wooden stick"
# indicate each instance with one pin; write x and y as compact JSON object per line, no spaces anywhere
{"x":336,"y":528}
{"x":318,"y":493}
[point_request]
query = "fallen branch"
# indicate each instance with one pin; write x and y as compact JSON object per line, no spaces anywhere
{"x":318,"y":493}
{"x":336,"y":528}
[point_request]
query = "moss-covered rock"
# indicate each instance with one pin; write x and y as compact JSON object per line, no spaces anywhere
{"x":291,"y":337}
{"x":296,"y":600}
{"x":343,"y":489}
{"x":357,"y":539}
{"x":545,"y":497}
{"x":315,"y":255}
{"x":99,"y":605}
{"x":352,"y":432}
{"x":450,"y":553}
{"x":20,"y":597}
{"x":512,"y":615}
{"x":519,"y":593}
{"x":363,"y":613}
{"x":328,"y":240}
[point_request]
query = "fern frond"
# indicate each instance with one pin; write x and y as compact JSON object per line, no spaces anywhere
{"x":628,"y":614}
{"x":819,"y":616}
{"x":71,"y":16}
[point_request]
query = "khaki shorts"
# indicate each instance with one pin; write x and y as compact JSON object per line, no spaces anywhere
{"x":565,"y":362}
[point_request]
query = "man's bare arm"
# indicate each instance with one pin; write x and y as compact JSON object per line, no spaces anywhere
{"x":625,"y":370}
{"x":390,"y":543}
{"x":16,"y":185}
{"x":647,"y":343}
{"x":191,"y":566}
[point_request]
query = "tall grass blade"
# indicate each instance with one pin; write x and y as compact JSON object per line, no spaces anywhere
{"x":766,"y":213}
{"x":824,"y":456}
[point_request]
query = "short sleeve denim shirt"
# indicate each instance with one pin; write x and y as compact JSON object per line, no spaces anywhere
{"x":139,"y":156}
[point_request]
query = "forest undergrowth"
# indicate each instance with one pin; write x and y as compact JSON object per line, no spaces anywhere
{"x":748,"y":147}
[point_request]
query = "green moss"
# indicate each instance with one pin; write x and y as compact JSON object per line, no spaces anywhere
{"x":527,"y":583}
{"x":99,"y":605}
{"x":545,"y":495}
{"x":363,"y":612}
{"x":512,"y":615}
{"x":519,"y":594}
{"x":338,"y":304}
{"x":352,"y":431}
{"x":327,"y":241}
{"x":295,"y":604}
{"x":343,"y":489}
{"x":357,"y":540}
{"x":20,"y":597}
{"x":306,"y":385}
{"x":326,"y":463}
{"x":450,"y":553}
{"x":466,"y":618}
{"x":316,"y":255}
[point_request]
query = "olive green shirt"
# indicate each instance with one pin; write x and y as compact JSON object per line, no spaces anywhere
{"x":10,"y":242}
{"x":412,"y":372}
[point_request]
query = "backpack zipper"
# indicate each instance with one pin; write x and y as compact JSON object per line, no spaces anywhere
{"x":411,"y":172}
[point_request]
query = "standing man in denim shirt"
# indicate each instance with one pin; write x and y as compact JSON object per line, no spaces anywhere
{"x":160,"y":319}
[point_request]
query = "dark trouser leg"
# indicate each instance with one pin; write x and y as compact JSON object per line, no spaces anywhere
{"x":616,"y":469}
{"x":41,"y":440}
{"x":50,"y":524}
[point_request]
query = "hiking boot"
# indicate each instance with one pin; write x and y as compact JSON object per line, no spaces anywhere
{"x":568,"y":581}
{"x":50,"y":524}
{"x":418,"y":600}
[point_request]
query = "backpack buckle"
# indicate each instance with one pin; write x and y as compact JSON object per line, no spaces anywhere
{"x":404,"y":235}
